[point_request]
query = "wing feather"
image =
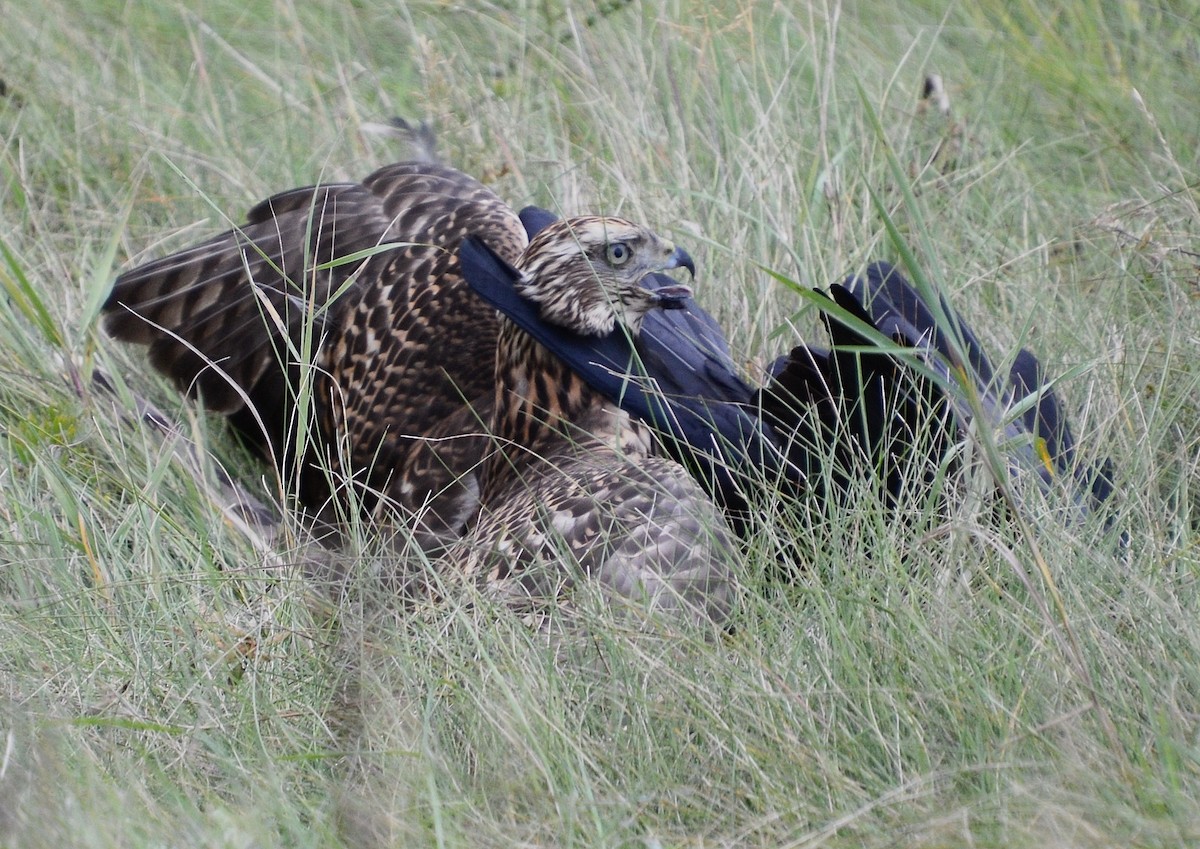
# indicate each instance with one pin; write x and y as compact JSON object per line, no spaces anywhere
{"x":361,"y":280}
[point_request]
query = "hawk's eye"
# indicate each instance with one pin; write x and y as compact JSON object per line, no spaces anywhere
{"x":619,"y":253}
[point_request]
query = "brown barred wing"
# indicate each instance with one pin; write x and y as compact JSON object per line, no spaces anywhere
{"x":361,"y":281}
{"x":217,"y":316}
{"x":418,"y":346}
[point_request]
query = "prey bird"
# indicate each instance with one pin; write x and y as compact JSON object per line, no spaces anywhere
{"x":826,"y":416}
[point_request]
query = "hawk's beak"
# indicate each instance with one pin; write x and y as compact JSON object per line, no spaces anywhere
{"x":679,"y":259}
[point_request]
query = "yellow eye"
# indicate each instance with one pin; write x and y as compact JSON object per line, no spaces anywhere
{"x":618,"y":253}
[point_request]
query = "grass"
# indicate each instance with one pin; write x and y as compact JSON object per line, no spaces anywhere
{"x":170,"y":679}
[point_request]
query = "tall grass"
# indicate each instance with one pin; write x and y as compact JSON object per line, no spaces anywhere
{"x":170,"y":678}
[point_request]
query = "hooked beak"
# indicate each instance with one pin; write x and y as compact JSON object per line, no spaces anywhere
{"x":669,"y":294}
{"x":679,"y":258}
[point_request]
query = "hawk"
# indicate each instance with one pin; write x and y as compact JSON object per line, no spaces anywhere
{"x":335,"y":331}
{"x":577,"y":492}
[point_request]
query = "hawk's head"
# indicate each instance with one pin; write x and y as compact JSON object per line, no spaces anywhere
{"x":585,"y":273}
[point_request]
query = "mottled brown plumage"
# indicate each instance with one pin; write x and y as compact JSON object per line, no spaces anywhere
{"x":420,"y":400}
{"x":577,"y":488}
{"x":354,"y":289}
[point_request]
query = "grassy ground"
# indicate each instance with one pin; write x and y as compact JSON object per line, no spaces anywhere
{"x":168,"y":678}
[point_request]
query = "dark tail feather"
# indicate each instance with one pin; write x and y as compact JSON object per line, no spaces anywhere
{"x":1047,"y":420}
{"x":900,"y":311}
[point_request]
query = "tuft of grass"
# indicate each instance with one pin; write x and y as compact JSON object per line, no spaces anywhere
{"x":168,"y":676}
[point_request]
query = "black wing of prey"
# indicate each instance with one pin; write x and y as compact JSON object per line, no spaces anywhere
{"x":824,"y":413}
